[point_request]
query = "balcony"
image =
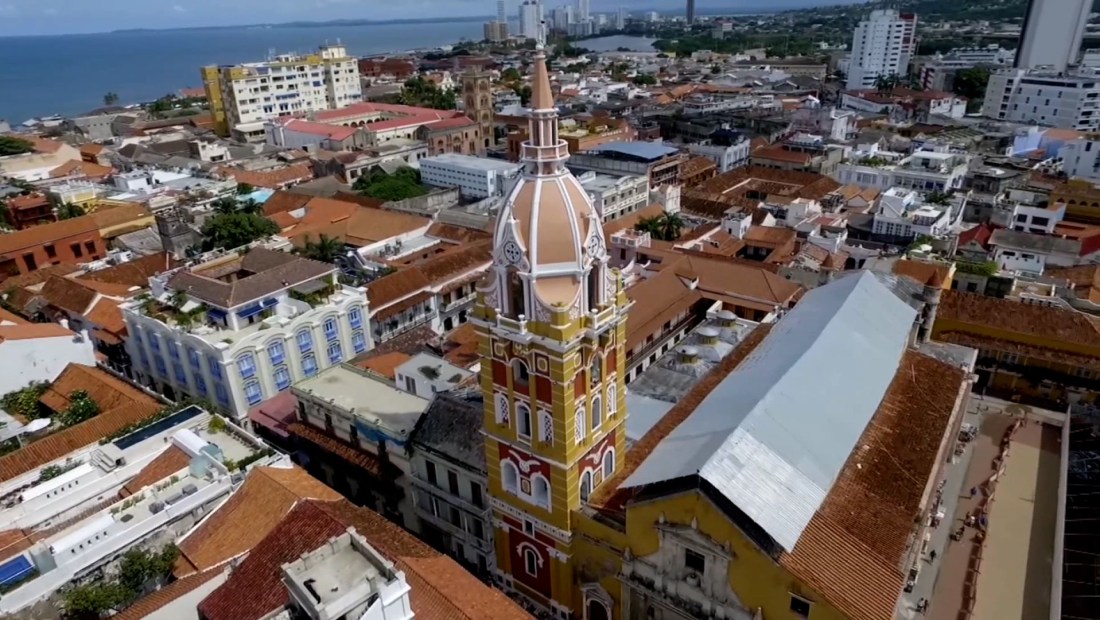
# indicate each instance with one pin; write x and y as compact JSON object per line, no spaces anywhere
{"x":461,"y":301}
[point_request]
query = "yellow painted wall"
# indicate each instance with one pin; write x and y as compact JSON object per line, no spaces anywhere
{"x":597,"y":558}
{"x":756,"y":579}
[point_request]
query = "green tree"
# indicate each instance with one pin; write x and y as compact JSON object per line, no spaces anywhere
{"x":651,"y":225}
{"x":110,"y":99}
{"x":5,"y":214}
{"x":671,"y":225}
{"x":938,"y":198}
{"x":644,"y":79}
{"x":10,"y":145}
{"x":232,"y":230}
{"x":419,"y":91}
{"x":394,"y":188}
{"x":511,"y":74}
{"x":524,"y":93}
{"x":970,"y":83}
{"x":249,"y":205}
{"x":325,"y":249}
{"x":91,"y":601}
{"x":243,"y":189}
{"x":715,"y":69}
{"x":68,"y":211}
{"x":25,"y":401}
{"x":227,"y":204}
{"x":81,"y":407}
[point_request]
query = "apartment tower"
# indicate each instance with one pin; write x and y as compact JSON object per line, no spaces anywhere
{"x":882,"y":46}
{"x":1052,"y":34}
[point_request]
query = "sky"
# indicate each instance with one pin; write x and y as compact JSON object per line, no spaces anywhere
{"x":38,"y":17}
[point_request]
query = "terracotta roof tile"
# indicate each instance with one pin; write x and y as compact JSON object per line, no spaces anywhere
{"x":384,"y":365}
{"x":104,"y":388}
{"x":147,"y":605}
{"x":1067,"y":327}
{"x":33,"y":330}
{"x":440,"y":589}
{"x":853,"y":560}
{"x":778,"y":153}
{"x":68,"y":294}
{"x":396,"y":286}
{"x":162,"y":466}
{"x":76,"y":167}
{"x":456,"y":234}
{"x":283,"y":201}
{"x":271,"y":179}
{"x":14,"y":242}
{"x":364,"y":460}
{"x":13,"y":542}
{"x":135,"y":272}
{"x":250,"y":514}
{"x":352,"y":223}
{"x":923,"y":271}
{"x":57,"y":445}
{"x":118,"y":215}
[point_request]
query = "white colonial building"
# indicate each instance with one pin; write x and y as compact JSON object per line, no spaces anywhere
{"x":237,"y":330}
{"x":1064,"y":100}
{"x":475,"y":177}
{"x":615,"y":196}
{"x":923,"y":171}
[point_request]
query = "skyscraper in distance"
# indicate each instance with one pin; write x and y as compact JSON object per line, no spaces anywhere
{"x":502,"y":17}
{"x":691,"y":11}
{"x":1052,"y":34}
{"x":582,"y":10}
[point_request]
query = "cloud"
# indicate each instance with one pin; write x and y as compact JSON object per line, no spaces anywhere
{"x":179,"y":9}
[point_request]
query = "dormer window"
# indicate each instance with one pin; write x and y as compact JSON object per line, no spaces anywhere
{"x":695,"y":561}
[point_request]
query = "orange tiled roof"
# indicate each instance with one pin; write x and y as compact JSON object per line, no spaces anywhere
{"x":135,"y":272}
{"x":25,"y":331}
{"x":1055,"y":325}
{"x":105,"y":389}
{"x":162,"y":466}
{"x":384,"y":365}
{"x":922,"y":271}
{"x":853,"y":560}
{"x":267,"y":495}
{"x":271,"y":179}
{"x":57,"y":445}
{"x":17,"y":241}
{"x":76,"y":167}
{"x":147,"y":605}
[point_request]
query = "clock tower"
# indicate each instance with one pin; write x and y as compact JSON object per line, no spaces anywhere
{"x":551,"y":318}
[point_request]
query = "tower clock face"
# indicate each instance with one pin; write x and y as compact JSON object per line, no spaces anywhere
{"x":512,"y":253}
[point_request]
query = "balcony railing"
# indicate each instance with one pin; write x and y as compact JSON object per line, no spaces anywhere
{"x":447,"y":307}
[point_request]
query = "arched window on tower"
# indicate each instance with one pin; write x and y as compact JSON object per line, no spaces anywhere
{"x":523,"y":420}
{"x":516,"y":297}
{"x":586,"y":485}
{"x":541,"y":491}
{"x":509,"y":477}
{"x":594,"y":287}
{"x":596,"y":610}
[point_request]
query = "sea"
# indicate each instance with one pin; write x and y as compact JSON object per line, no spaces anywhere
{"x":69,"y":74}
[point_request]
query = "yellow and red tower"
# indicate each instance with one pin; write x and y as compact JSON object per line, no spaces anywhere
{"x":552,"y":324}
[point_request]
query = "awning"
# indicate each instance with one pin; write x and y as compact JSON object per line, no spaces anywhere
{"x":248,"y":311}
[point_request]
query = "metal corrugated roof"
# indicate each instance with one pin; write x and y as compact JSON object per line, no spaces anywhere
{"x":775,"y":434}
{"x":644,"y":150}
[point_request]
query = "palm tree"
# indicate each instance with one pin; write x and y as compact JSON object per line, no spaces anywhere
{"x":671,"y":225}
{"x":68,"y":211}
{"x":326,"y":249}
{"x":651,"y":225}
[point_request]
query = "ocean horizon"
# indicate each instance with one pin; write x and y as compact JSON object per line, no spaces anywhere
{"x":70,"y":74}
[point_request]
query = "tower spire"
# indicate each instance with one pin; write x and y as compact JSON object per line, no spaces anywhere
{"x":543,"y":152}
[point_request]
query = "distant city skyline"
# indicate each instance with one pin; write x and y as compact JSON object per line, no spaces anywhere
{"x":51,"y":17}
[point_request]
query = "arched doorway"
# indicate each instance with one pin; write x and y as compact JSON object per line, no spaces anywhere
{"x":596,"y":610}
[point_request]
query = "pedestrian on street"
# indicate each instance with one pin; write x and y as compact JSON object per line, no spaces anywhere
{"x":931,"y":556}
{"x":922,"y":604}
{"x":973,"y":492}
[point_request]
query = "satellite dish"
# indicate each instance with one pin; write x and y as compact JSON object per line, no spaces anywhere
{"x":35,"y":425}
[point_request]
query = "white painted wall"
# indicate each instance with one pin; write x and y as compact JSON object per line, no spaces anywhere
{"x":41,"y":359}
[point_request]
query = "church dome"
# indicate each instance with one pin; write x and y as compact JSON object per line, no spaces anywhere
{"x":548,"y":229}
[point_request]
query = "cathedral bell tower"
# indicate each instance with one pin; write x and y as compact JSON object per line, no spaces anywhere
{"x":552,"y":324}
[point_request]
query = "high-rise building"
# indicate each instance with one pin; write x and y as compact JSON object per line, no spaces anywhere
{"x":882,"y":45}
{"x":243,"y":96}
{"x":1051,"y":98}
{"x":1052,"y":34}
{"x":477,"y":95}
{"x":501,"y":15}
{"x":561,"y":17}
{"x":530,"y":19}
{"x":690,"y":11}
{"x":652,"y":16}
{"x":620,"y":19}
{"x":583,"y":8}
{"x":496,"y":31}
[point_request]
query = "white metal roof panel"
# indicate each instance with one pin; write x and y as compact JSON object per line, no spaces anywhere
{"x":775,"y":434}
